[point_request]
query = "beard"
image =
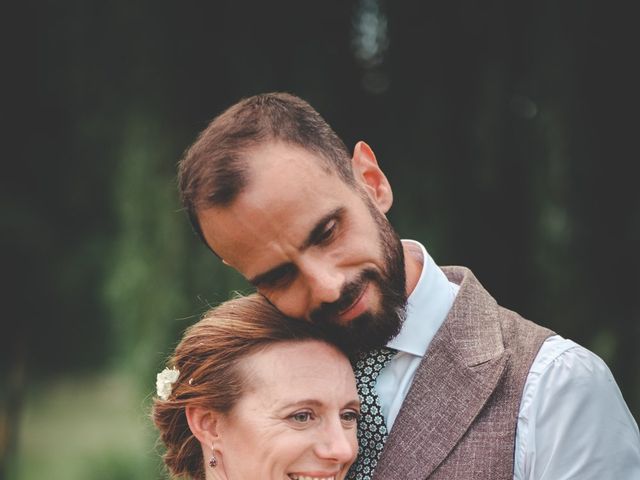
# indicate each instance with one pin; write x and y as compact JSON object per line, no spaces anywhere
{"x":371,"y":329}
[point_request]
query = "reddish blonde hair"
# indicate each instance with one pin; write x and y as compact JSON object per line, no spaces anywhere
{"x":208,"y":358}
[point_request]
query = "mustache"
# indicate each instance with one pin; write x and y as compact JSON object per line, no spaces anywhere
{"x":328,"y":312}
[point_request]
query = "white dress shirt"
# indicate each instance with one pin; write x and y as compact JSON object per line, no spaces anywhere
{"x":573,"y":422}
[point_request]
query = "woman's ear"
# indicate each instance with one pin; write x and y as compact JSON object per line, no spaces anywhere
{"x":203,"y":423}
{"x":369,"y":176}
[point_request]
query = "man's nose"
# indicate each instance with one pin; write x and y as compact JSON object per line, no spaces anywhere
{"x":324,"y":282}
{"x":337,"y":443}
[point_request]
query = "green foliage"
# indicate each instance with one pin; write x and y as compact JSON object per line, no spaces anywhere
{"x":144,"y":288}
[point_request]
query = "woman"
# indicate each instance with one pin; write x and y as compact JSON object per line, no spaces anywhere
{"x":253,"y":395}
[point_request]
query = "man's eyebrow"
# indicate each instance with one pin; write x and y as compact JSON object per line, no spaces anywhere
{"x":316,"y":232}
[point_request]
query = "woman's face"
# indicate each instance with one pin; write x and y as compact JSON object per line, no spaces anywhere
{"x":297,"y":418}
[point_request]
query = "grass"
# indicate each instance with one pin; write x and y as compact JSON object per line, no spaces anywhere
{"x":90,"y":428}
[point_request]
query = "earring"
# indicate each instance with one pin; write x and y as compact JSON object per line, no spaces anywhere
{"x":213,"y":461}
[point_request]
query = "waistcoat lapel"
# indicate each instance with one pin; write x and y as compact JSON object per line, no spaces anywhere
{"x":460,"y":370}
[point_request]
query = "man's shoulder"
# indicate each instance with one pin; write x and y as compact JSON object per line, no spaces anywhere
{"x":475,"y":305}
{"x":560,"y":355}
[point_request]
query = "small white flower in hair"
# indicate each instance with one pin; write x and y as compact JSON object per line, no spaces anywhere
{"x":165,"y":380}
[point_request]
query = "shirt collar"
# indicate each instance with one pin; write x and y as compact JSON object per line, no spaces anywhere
{"x":427,"y":306}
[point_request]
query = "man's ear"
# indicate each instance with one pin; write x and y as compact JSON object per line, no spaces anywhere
{"x":204,"y":424}
{"x":368,"y":175}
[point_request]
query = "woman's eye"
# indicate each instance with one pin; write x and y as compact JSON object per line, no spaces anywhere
{"x":350,"y":417}
{"x":301,"y":417}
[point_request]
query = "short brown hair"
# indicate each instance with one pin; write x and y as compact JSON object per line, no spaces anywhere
{"x":208,"y":359}
{"x":214,"y":171}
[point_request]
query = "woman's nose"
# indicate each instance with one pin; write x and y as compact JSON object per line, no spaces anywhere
{"x":337,"y":444}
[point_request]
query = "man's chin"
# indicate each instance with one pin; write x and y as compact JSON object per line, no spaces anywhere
{"x":365,"y":332}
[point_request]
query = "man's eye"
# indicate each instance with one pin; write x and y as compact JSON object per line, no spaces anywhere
{"x":278,"y":279}
{"x":301,"y":417}
{"x":327,"y":233}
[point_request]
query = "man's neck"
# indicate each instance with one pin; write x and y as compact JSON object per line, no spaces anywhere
{"x":413,"y":263}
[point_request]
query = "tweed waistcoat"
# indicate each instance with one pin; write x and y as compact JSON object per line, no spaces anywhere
{"x":459,"y":418}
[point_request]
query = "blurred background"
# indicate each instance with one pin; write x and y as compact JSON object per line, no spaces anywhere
{"x":507,"y":129}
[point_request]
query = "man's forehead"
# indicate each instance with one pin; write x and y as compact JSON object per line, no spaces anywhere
{"x":252,"y":236}
{"x":274,"y":157}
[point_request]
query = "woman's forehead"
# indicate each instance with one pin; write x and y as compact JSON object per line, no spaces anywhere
{"x":301,"y":369}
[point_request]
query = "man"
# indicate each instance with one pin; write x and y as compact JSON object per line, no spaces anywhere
{"x":466,"y":389}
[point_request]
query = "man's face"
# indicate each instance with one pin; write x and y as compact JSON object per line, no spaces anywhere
{"x":315,"y":247}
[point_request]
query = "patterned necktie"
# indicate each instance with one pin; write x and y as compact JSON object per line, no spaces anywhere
{"x":372,"y":430}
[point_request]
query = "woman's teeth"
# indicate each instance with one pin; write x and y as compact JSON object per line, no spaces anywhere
{"x":306,"y":477}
